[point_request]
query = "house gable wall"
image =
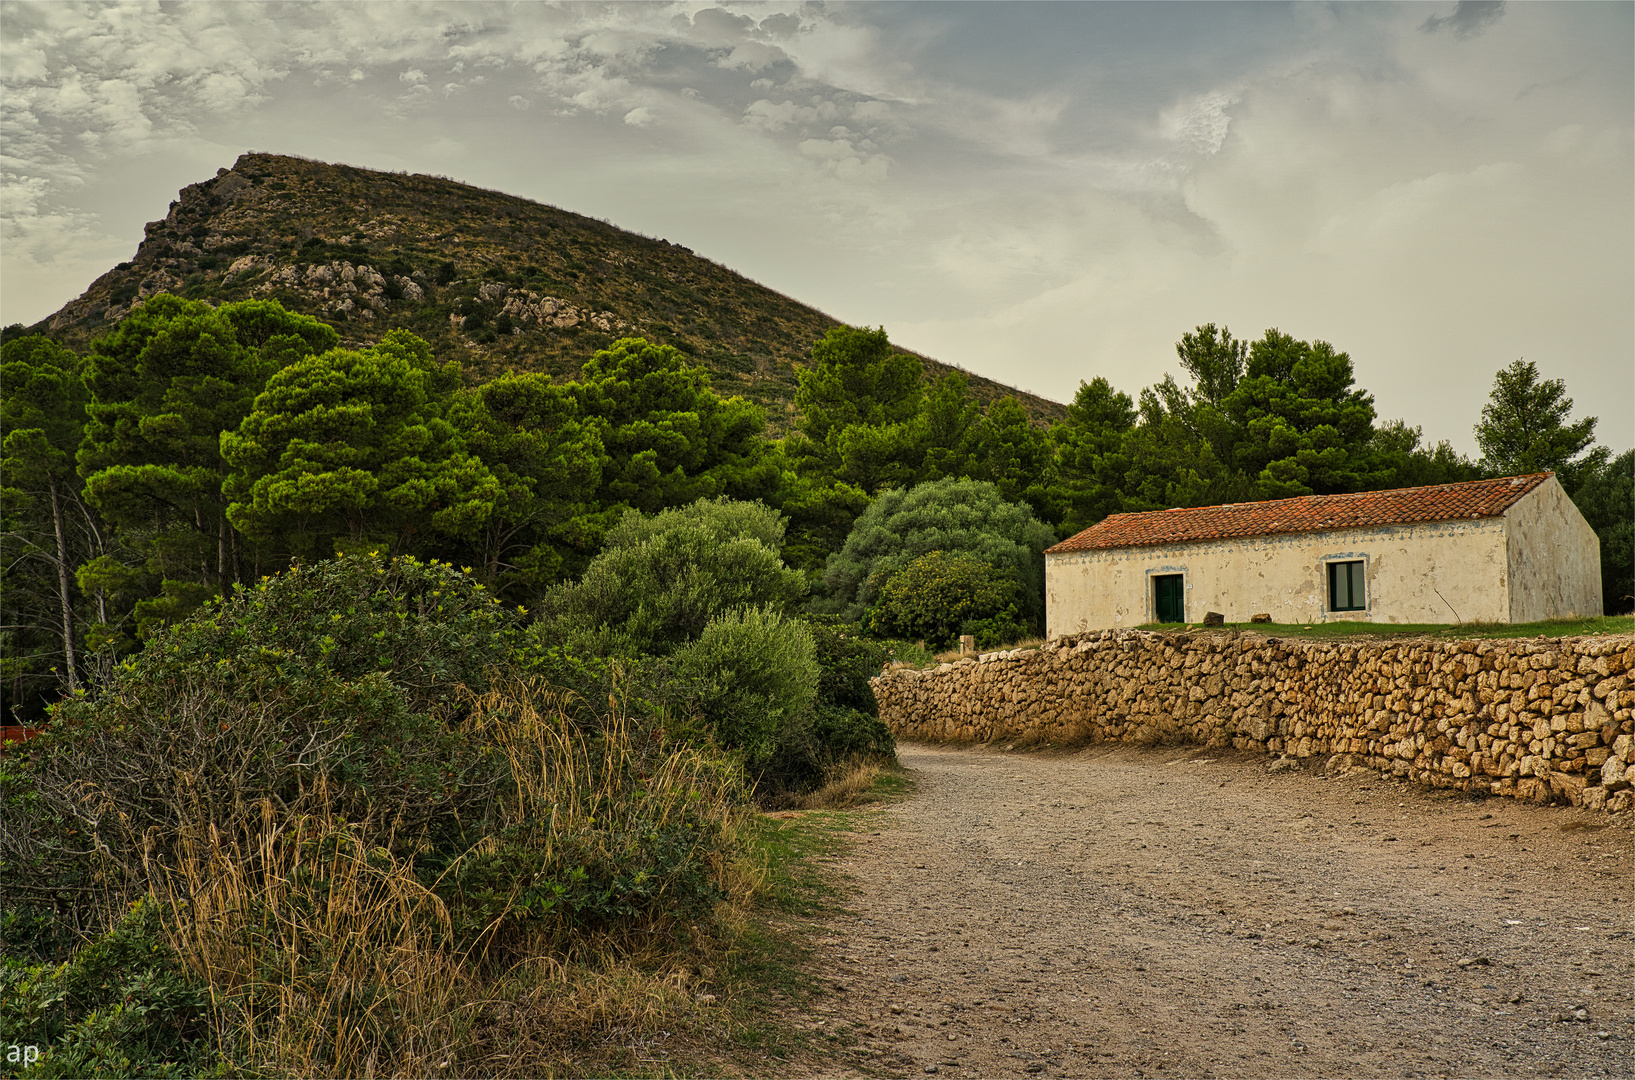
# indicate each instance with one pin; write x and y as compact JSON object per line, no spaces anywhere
{"x":1554,"y":557}
{"x":1406,"y":568}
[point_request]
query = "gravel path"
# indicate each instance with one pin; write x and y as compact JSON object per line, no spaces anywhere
{"x":1177,"y":912}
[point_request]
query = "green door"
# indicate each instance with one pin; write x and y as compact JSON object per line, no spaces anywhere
{"x":1169,"y":596}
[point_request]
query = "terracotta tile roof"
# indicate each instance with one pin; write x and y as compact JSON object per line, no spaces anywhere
{"x":1307,"y":513}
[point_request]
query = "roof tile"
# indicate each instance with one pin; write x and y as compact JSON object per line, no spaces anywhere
{"x":1306,"y":513}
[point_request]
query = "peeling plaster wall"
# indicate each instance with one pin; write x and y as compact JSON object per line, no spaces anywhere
{"x":1554,"y":557}
{"x":1407,"y":567}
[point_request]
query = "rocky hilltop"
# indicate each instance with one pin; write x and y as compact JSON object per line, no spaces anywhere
{"x":494,"y":281}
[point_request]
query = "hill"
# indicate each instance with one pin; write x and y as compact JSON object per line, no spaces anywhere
{"x":494,"y":281}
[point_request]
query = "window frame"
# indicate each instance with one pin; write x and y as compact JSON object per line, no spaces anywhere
{"x":1360,"y":582}
{"x":1152,"y":594}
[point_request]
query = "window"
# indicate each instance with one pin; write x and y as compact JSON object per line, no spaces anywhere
{"x":1345,"y":587}
{"x":1169,"y":597}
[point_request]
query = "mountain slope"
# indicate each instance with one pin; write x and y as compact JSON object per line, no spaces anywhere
{"x":491,"y":280}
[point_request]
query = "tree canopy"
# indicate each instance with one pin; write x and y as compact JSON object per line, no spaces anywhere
{"x":1525,"y":428}
{"x":670,"y":439}
{"x":949,"y":515}
{"x":197,"y":448}
{"x":47,"y":531}
{"x":164,"y":385}
{"x":352,"y":449}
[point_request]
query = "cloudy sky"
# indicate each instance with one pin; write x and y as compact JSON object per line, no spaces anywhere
{"x":1041,"y":193}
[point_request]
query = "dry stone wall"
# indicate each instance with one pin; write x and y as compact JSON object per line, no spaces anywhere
{"x":1548,"y":720}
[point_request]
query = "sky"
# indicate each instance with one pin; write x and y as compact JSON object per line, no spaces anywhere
{"x":1038,"y":192}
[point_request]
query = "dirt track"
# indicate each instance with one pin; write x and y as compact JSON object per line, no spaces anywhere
{"x":1176,"y":912}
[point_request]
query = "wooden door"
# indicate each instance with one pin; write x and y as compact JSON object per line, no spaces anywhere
{"x":1169,"y":597}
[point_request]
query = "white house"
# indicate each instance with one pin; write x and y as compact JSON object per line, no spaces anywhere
{"x":1509,"y":550}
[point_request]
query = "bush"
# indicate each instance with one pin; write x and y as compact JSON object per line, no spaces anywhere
{"x":749,"y":675}
{"x":618,"y":833}
{"x":123,"y":1006}
{"x":943,"y":515}
{"x":661,"y":579}
{"x":336,"y":687}
{"x":692,"y":600}
{"x":1003,"y":628}
{"x":344,"y":812}
{"x":843,"y":725}
{"x":937,"y":595}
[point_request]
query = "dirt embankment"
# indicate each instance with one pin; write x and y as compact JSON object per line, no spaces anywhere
{"x":1130,"y":912}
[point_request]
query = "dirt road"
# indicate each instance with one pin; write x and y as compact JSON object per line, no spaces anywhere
{"x":1131,"y":912}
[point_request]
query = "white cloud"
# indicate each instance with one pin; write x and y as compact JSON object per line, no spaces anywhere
{"x":641,"y":116}
{"x":753,"y":56}
{"x":1201,"y":123}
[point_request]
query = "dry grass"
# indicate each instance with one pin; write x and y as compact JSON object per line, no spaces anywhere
{"x":327,"y":956}
{"x":846,"y":786}
{"x":324,"y":957}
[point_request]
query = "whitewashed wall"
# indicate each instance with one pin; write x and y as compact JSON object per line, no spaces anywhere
{"x":1554,"y":557}
{"x":1440,"y":572}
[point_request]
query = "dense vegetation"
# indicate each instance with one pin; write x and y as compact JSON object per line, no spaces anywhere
{"x":303,"y":827}
{"x":195,"y":449}
{"x":373,"y":690}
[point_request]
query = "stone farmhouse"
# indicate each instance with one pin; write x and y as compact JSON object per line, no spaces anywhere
{"x":1509,"y":550}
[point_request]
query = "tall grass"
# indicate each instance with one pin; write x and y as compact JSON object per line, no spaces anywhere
{"x":577,"y":921}
{"x":324,"y":956}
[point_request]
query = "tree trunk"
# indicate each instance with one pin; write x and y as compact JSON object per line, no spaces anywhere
{"x":62,"y":588}
{"x":221,"y":552}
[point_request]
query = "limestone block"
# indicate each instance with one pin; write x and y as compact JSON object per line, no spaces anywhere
{"x":1567,"y":785}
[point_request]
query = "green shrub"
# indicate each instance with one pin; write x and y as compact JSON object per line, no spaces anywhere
{"x":1003,"y":628}
{"x":336,"y":687}
{"x":346,"y":812}
{"x":691,"y":602}
{"x":943,"y":515}
{"x":847,"y":661}
{"x":749,"y":675}
{"x":611,"y":833}
{"x":936,"y":595}
{"x":912,"y":653}
{"x":843,"y":724}
{"x":661,"y":579}
{"x":123,"y":1006}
